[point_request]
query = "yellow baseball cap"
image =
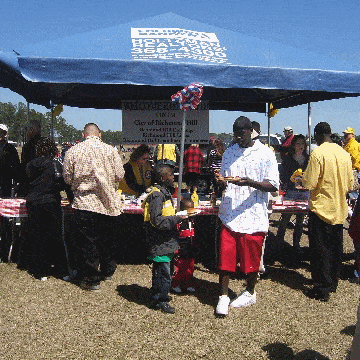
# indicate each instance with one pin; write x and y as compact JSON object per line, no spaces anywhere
{"x":349,"y":130}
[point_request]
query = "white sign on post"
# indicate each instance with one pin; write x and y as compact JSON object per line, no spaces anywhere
{"x":160,"y":122}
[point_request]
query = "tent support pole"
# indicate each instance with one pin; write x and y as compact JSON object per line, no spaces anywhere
{"x":27,"y":111}
{"x":309,"y":125}
{"x":268,"y":116}
{"x":52,"y":121}
{"x":181,"y":164}
{"x":24,"y":137}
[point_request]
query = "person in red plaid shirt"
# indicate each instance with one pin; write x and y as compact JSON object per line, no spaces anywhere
{"x":193,"y":160}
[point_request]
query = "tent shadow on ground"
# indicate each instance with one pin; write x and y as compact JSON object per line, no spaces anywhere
{"x":280,"y":351}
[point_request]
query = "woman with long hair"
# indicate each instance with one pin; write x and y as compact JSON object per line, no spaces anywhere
{"x":44,"y":249}
{"x":138,"y":172}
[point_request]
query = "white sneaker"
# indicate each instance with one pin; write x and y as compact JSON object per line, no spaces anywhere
{"x":43,"y":278}
{"x":177,"y":290}
{"x":222,"y":307}
{"x":244,"y":299}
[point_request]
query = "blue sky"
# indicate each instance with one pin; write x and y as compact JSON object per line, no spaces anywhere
{"x":327,"y":27}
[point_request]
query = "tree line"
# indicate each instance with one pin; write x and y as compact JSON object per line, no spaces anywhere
{"x":16,"y":117}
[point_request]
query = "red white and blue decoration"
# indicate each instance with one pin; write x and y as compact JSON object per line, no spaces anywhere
{"x":189,"y":97}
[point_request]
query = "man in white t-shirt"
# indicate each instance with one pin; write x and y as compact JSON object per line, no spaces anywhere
{"x":253,"y":172}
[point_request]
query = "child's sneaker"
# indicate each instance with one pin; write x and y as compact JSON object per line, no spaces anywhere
{"x":222,"y":307}
{"x":244,"y":299}
{"x":177,"y":290}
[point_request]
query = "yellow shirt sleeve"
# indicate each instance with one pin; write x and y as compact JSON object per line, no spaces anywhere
{"x":312,"y":173}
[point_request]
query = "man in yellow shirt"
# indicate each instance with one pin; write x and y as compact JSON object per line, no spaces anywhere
{"x":329,"y":177}
{"x":352,"y":147}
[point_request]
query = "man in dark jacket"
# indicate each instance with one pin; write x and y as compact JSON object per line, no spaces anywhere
{"x":161,"y":235}
{"x":10,"y":174}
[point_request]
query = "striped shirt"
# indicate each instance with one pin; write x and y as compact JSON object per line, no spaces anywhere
{"x":214,"y":160}
{"x":93,"y":169}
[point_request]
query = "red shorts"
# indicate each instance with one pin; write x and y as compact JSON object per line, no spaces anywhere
{"x":244,"y":250}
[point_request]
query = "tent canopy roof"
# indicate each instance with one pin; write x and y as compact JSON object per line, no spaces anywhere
{"x":152,"y":59}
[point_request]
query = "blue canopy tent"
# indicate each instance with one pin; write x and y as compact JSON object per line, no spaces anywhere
{"x":153,"y":58}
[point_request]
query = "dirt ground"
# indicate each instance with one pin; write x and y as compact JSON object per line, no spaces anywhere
{"x":54,"y":319}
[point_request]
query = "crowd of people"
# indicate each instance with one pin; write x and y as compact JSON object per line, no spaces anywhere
{"x":244,"y":173}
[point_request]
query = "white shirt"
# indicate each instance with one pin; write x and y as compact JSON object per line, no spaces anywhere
{"x":244,"y":209}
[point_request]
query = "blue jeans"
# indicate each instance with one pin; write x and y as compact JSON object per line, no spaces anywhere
{"x":161,"y":281}
{"x":299,"y":224}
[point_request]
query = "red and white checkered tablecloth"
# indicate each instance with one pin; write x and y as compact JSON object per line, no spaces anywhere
{"x":16,"y":207}
{"x":13,"y":207}
{"x":208,"y":210}
{"x":288,"y":206}
{"x":133,"y":208}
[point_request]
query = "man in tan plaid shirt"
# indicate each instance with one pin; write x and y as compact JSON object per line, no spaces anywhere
{"x":93,"y":169}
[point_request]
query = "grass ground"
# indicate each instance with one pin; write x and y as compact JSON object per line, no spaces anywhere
{"x":57,"y":320}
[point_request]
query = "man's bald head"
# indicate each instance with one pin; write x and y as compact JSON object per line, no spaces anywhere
{"x":91,"y":129}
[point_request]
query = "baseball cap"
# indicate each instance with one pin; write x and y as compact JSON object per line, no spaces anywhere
{"x":4,"y":127}
{"x":288,"y":128}
{"x":349,"y":130}
{"x":242,"y":122}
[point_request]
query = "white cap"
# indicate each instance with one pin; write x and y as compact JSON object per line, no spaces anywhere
{"x":288,"y":128}
{"x":4,"y":127}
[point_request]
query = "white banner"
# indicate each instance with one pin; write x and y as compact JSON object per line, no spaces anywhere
{"x":160,"y":122}
{"x":176,"y":44}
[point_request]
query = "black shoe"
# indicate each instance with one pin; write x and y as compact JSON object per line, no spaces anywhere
{"x":91,"y":287}
{"x":318,"y":295}
{"x":165,"y":307}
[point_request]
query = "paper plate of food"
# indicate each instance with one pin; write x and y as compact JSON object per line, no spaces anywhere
{"x":189,"y":212}
{"x":231,"y":178}
{"x":192,"y":211}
